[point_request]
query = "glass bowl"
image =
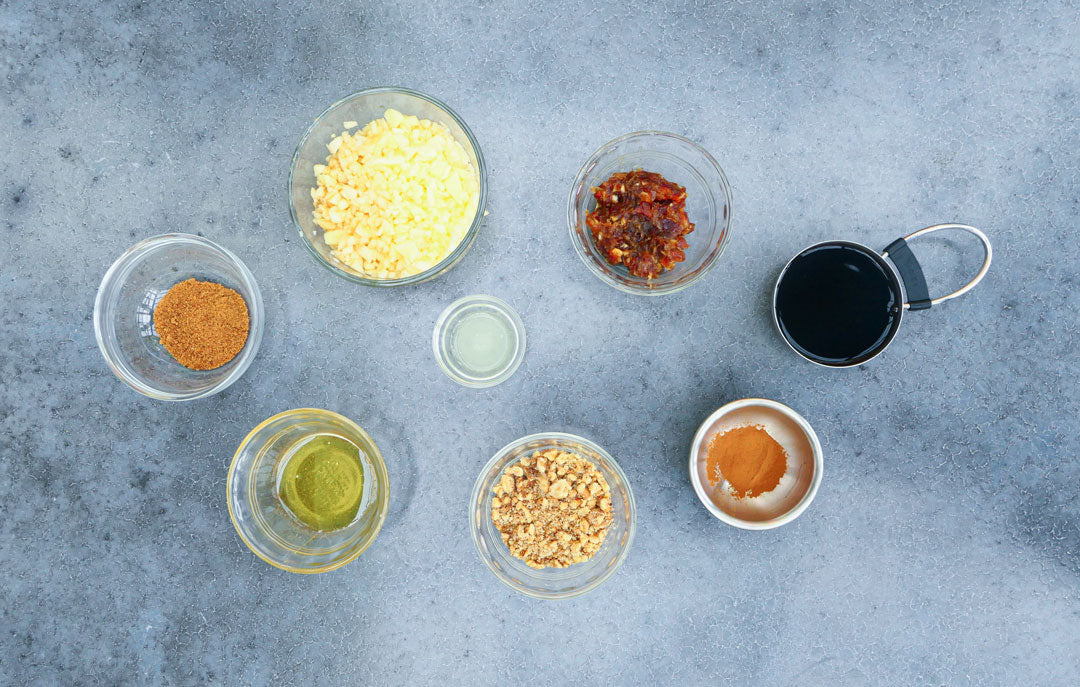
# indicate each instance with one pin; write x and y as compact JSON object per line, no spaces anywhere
{"x":553,"y":583}
{"x":679,"y":160}
{"x":451,"y":340}
{"x":363,"y":107}
{"x":124,"y":314}
{"x":262,"y":522}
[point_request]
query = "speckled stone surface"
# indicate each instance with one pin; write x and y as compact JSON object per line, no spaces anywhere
{"x":944,"y":544}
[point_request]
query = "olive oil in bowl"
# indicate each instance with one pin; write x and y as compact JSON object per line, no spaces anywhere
{"x":308,"y":490}
{"x":322,"y":482}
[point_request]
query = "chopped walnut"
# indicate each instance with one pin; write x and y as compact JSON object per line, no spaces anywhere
{"x":556,"y":512}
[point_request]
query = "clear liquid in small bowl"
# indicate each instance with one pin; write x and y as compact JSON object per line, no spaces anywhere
{"x":481,"y":342}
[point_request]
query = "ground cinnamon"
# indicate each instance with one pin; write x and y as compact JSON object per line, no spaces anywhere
{"x":749,"y":459}
{"x":202,"y":324}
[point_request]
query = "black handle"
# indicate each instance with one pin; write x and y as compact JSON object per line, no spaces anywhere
{"x":911,"y":272}
{"x":918,"y":295}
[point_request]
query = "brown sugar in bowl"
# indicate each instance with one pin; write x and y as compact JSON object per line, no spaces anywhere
{"x":201,"y":323}
{"x":124,"y":315}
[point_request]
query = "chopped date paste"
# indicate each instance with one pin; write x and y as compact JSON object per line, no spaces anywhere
{"x":640,"y":221}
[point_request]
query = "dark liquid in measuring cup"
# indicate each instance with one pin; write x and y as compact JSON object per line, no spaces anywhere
{"x":837,"y":305}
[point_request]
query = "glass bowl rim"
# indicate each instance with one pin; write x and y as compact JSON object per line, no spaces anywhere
{"x":571,"y":214}
{"x":256,"y":315}
{"x":789,"y":515}
{"x":453,"y":256}
{"x":382,"y":498}
{"x":475,"y":525}
{"x":515,"y":322}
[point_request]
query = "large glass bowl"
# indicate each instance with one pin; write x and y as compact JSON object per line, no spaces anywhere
{"x":260,"y":518}
{"x":553,"y":583}
{"x":124,"y":314}
{"x":363,"y":107}
{"x":679,"y":160}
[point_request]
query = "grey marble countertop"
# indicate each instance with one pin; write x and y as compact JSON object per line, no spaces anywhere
{"x":944,"y":544}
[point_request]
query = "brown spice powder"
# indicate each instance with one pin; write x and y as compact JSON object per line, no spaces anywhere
{"x":202,"y":324}
{"x":748,"y":458}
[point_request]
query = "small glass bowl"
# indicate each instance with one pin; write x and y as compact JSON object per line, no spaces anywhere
{"x":679,"y":160}
{"x":363,"y":107}
{"x":444,"y":347}
{"x":553,"y":583}
{"x":124,"y":314}
{"x":260,"y":518}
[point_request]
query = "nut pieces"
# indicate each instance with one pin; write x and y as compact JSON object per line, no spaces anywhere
{"x":552,"y":509}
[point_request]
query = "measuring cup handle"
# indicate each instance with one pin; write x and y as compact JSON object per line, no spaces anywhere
{"x":904,"y":259}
